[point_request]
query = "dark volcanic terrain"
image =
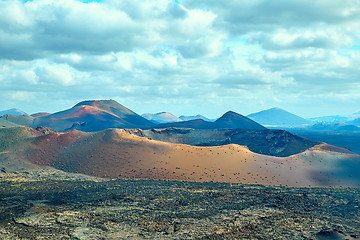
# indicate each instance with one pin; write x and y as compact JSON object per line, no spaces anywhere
{"x":48,"y":204}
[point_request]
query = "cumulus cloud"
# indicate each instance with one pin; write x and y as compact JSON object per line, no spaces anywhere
{"x":299,"y":39}
{"x":240,"y":17}
{"x":180,"y":54}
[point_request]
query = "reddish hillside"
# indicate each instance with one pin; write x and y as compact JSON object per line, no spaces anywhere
{"x":115,"y":153}
{"x":91,"y":116}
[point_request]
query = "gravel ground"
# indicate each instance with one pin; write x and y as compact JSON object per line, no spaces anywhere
{"x":50,"y":204}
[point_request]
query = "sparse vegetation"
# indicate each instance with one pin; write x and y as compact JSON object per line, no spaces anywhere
{"x":79,"y":208}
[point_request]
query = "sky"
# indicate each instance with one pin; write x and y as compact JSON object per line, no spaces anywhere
{"x":185,"y":57}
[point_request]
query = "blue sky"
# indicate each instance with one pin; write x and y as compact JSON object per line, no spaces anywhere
{"x":185,"y":57}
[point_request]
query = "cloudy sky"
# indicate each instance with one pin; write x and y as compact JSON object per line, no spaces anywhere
{"x":184,"y":56}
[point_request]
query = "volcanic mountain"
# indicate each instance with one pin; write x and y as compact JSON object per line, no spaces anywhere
{"x":234,"y":120}
{"x":228,"y":120}
{"x":117,"y":153}
{"x":161,"y":117}
{"x":87,"y":116}
{"x":277,"y":117}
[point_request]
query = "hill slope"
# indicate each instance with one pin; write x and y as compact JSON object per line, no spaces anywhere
{"x":24,"y":120}
{"x":117,"y":153}
{"x":5,"y":123}
{"x":278,"y":117}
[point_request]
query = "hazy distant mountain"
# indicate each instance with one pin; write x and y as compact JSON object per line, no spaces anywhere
{"x":278,"y":117}
{"x":161,"y":117}
{"x":355,"y":115}
{"x":337,"y":126}
{"x":335,"y":118}
{"x":188,"y":118}
{"x":13,"y":111}
{"x":330,"y":119}
{"x":228,"y":120}
{"x":355,"y":122}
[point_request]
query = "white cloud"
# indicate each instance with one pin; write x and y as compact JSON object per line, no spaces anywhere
{"x":54,"y":75}
{"x":302,"y":38}
{"x":228,"y":53}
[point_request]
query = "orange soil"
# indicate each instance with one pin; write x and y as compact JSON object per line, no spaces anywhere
{"x":116,"y":154}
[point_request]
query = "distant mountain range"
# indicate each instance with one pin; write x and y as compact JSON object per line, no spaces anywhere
{"x":96,"y":115}
{"x":337,"y":126}
{"x":104,"y":138}
{"x":277,"y":117}
{"x":166,"y":117}
{"x":351,"y":119}
{"x":188,"y":118}
{"x":228,"y":120}
{"x":329,"y":119}
{"x":12,"y":111}
{"x":161,"y":117}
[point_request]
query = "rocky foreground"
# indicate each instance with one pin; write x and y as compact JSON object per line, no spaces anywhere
{"x":50,"y":204}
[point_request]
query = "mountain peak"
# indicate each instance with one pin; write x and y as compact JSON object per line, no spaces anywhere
{"x":278,"y":117}
{"x":95,"y":103}
{"x":231,"y":113}
{"x":12,"y":111}
{"x":232,"y":119}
